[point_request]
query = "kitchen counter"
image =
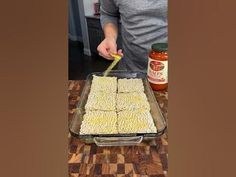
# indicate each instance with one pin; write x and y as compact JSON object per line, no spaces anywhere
{"x":145,"y":160}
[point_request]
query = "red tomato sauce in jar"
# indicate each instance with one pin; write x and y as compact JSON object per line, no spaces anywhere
{"x":157,"y":71}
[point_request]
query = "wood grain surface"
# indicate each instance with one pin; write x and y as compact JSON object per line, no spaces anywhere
{"x":149,"y":159}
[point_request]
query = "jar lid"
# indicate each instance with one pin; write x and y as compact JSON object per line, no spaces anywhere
{"x":160,"y":47}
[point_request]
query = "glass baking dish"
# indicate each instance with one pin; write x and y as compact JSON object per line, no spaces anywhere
{"x":118,"y":139}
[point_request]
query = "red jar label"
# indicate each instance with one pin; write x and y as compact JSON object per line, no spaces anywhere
{"x":157,"y":71}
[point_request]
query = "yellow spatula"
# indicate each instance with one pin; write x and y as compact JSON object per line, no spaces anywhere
{"x":117,"y":58}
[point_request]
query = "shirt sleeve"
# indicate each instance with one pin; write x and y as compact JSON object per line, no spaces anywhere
{"x":109,"y":12}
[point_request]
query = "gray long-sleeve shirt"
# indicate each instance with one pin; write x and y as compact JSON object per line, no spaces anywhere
{"x":144,"y":22}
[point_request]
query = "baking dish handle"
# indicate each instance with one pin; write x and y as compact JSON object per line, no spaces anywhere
{"x":118,"y":141}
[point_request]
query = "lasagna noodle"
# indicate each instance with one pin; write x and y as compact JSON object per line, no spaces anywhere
{"x":101,"y":101}
{"x":138,"y":121}
{"x":99,"y":122}
{"x":130,"y":85}
{"x":104,"y":84}
{"x":132,"y":101}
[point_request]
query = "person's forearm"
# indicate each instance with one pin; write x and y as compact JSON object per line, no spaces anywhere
{"x":108,"y":45}
{"x":110,"y":31}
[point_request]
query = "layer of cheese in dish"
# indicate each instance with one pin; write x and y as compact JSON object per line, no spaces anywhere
{"x":130,"y":85}
{"x":138,"y":121}
{"x":132,"y":101}
{"x":102,"y":101}
{"x":99,"y":122}
{"x":104,"y":84}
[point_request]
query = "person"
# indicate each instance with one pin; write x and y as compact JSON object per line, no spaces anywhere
{"x":143,"y":23}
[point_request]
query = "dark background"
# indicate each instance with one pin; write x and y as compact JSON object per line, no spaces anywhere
{"x":85,"y":34}
{"x":80,"y":65}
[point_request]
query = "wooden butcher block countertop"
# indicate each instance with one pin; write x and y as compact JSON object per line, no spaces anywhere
{"x":145,"y":160}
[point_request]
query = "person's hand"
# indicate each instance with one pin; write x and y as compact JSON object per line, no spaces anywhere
{"x":107,"y":46}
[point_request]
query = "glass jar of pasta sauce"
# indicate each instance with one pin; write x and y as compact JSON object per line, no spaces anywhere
{"x":157,"y":71}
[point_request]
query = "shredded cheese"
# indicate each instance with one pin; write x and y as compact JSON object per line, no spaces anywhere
{"x":99,"y":122}
{"x":104,"y":84}
{"x":101,"y":101}
{"x":130,"y":85}
{"x":138,"y":121}
{"x":132,"y":101}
